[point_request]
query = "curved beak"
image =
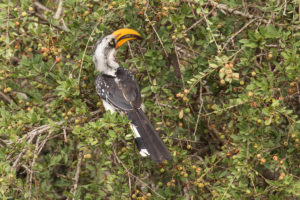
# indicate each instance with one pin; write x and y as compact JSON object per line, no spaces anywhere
{"x":125,"y":34}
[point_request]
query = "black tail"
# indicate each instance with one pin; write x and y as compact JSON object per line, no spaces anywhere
{"x":147,"y":139}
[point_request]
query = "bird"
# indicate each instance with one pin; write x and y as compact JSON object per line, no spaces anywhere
{"x":120,"y":92}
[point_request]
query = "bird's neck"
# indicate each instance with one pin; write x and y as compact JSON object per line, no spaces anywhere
{"x":106,"y":64}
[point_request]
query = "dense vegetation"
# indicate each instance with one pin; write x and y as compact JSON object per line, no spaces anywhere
{"x":220,"y":82}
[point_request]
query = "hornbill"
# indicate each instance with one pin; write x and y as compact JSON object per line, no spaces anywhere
{"x":120,"y":92}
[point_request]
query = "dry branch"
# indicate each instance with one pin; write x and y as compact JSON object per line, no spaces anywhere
{"x":57,"y":15}
{"x":5,"y":97}
{"x":236,"y":12}
{"x":59,"y":10}
{"x":76,"y":178}
{"x":29,"y":137}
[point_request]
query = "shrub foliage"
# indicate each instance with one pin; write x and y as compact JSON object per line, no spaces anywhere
{"x":220,"y":82}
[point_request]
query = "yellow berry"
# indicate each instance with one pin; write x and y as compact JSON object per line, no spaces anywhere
{"x":270,"y":55}
{"x":24,"y":14}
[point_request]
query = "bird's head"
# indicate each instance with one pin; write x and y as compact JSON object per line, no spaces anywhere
{"x":105,"y":49}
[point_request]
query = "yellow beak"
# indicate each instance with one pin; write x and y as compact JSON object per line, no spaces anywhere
{"x":125,"y":34}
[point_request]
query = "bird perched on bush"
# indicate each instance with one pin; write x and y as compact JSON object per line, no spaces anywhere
{"x":120,"y":92}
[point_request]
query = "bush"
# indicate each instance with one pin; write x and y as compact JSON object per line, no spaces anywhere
{"x":220,"y":82}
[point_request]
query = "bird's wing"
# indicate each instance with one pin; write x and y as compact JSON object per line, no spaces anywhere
{"x":121,"y":91}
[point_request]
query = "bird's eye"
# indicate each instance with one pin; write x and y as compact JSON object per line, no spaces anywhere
{"x":112,"y":43}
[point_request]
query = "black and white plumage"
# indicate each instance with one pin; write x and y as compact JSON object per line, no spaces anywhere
{"x":120,"y":92}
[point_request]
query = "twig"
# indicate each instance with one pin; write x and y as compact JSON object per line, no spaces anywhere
{"x":76,"y":178}
{"x":129,"y":183}
{"x":299,"y":10}
{"x":32,"y":164}
{"x":5,"y":97}
{"x":238,"y":32}
{"x":247,"y":152}
{"x":199,"y":112}
{"x":86,"y":46}
{"x":297,"y":85}
{"x":149,"y":77}
{"x":41,"y":7}
{"x":229,"y":185}
{"x":200,"y":78}
{"x":119,"y":161}
{"x":212,"y":35}
{"x":198,"y":22}
{"x":181,"y":76}
{"x":41,"y":146}
{"x":284,"y":7}
{"x":65,"y":135}
{"x":165,"y":105}
{"x":48,"y":22}
{"x":244,"y":6}
{"x":236,"y":12}
{"x":59,"y":10}
{"x":131,"y":53}
{"x":35,"y":132}
{"x":7,"y":27}
{"x":217,"y":111}
{"x":31,"y":136}
{"x":160,"y":41}
{"x":148,"y":74}
{"x":39,"y":130}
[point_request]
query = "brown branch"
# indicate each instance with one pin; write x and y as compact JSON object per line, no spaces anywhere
{"x":59,"y":10}
{"x":31,"y":135}
{"x":236,"y":12}
{"x":40,"y":6}
{"x":5,"y":97}
{"x":224,"y":8}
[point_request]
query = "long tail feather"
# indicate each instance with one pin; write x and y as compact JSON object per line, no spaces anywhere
{"x":147,"y":139}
